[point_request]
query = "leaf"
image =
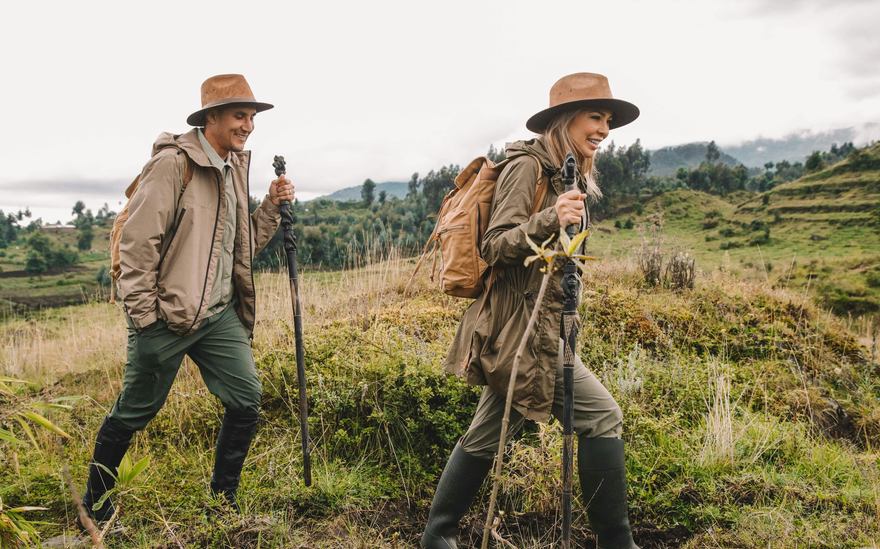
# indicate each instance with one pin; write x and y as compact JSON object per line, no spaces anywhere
{"x":548,"y":241}
{"x":51,"y":406}
{"x":12,"y":380}
{"x":576,"y":242}
{"x":68,"y":399}
{"x":23,"y":509}
{"x":7,"y":437}
{"x":533,"y":246}
{"x":43,"y":422}
{"x":4,"y":389}
{"x":531,"y":259}
{"x":139,"y":467}
{"x":563,"y":238}
{"x":100,"y":503}
{"x":27,"y":430}
{"x":124,"y":469}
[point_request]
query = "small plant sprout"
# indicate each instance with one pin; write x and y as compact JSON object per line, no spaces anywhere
{"x":569,"y":249}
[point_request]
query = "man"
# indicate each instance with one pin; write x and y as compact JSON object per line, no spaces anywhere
{"x":186,"y":283}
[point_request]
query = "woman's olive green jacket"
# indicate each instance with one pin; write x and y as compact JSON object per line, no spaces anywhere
{"x":493,"y":338}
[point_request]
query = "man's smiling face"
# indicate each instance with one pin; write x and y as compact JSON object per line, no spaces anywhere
{"x":228,"y":128}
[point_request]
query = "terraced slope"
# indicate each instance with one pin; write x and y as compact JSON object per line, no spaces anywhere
{"x":820,"y":233}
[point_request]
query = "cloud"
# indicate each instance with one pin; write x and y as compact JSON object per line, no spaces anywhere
{"x":72,"y":187}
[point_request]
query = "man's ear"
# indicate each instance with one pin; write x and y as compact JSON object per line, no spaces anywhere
{"x":210,"y":116}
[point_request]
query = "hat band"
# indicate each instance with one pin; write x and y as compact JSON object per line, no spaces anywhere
{"x":230,"y":100}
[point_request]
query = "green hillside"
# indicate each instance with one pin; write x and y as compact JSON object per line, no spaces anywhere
{"x":817,"y":233}
{"x":21,"y":290}
{"x":665,"y":161}
{"x":393,"y":189}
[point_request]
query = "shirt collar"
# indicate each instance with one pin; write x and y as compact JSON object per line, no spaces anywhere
{"x":215,"y":159}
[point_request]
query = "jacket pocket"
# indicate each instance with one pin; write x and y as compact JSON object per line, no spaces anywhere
{"x":171,"y":239}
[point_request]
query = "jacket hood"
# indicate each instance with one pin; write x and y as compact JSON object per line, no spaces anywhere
{"x":532,"y":147}
{"x":190,"y":144}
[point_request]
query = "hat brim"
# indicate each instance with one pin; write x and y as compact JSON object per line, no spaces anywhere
{"x":198,"y":118}
{"x":623,"y":112}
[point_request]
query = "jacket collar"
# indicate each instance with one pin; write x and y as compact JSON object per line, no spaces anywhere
{"x":189,"y":143}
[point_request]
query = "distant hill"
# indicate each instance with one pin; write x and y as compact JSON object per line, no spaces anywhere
{"x":354,"y":193}
{"x":796,"y":147}
{"x":817,"y":233}
{"x":665,"y":161}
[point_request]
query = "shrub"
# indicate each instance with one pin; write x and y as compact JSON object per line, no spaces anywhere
{"x":680,"y":271}
{"x":618,"y":224}
{"x":629,"y":224}
{"x":727,"y":232}
{"x":873,"y":279}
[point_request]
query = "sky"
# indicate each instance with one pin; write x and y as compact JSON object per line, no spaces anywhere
{"x":384,"y":89}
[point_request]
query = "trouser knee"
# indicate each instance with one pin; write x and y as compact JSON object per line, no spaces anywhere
{"x":608,"y":425}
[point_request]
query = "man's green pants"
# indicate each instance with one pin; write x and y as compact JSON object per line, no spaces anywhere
{"x":221,"y":349}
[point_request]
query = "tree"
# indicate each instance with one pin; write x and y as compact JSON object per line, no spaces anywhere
{"x":496,"y":155}
{"x":814,"y":162}
{"x":86,"y":236}
{"x":367,"y":191}
{"x":768,"y":166}
{"x":413,"y":186}
{"x":712,"y":153}
{"x":78,"y":208}
{"x":382,"y":196}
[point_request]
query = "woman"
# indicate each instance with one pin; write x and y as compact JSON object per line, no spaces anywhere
{"x":581,"y":113}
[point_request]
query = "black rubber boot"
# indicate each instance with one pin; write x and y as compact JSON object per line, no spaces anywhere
{"x":602,"y":471}
{"x":458,"y":485}
{"x":233,"y":444}
{"x":110,"y":447}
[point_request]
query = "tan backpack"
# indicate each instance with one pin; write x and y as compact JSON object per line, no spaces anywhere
{"x":122,"y":217}
{"x":461,"y":224}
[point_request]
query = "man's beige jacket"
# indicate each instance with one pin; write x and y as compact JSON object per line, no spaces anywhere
{"x":171,"y":244}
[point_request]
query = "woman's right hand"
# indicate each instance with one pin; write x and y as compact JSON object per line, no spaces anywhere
{"x":570,"y":208}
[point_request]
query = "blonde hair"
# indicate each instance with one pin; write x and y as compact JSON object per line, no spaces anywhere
{"x":557,"y":141}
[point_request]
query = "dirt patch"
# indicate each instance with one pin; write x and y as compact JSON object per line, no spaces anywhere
{"x":50,"y":272}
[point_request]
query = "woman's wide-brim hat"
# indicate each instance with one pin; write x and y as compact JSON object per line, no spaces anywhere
{"x":583,"y":90}
{"x":225,"y":89}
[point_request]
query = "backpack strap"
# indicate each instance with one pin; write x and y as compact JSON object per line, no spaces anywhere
{"x":188,"y":172}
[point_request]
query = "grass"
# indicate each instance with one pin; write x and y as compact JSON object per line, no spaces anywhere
{"x":815,"y":234}
{"x":752,"y":418}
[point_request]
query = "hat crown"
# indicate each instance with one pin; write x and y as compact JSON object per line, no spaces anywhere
{"x":578,"y":87}
{"x":225,"y":87}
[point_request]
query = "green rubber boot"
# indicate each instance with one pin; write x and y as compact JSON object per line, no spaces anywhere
{"x":461,"y":479}
{"x":602,"y":471}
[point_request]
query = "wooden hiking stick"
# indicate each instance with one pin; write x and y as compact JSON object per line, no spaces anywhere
{"x":505,"y":420}
{"x":290,"y":249}
{"x":570,"y":287}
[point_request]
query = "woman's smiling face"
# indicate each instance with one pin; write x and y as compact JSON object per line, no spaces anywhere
{"x":588,"y":129}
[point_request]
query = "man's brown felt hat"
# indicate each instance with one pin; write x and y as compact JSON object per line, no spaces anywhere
{"x":583,"y":90}
{"x":225,"y":89}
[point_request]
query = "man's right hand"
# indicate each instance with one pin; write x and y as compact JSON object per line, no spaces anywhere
{"x":570,"y":208}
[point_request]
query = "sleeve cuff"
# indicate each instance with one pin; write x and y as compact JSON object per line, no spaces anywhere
{"x":270,"y":206}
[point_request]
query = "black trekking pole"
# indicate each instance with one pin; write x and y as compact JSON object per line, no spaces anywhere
{"x":570,"y":287}
{"x":290,"y":249}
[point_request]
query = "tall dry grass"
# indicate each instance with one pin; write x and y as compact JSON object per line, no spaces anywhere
{"x":44,"y":346}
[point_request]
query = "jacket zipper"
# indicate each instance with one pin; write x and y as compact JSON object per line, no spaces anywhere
{"x":451,"y":229}
{"x":208,"y":268}
{"x":250,"y":248}
{"x":173,"y":234}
